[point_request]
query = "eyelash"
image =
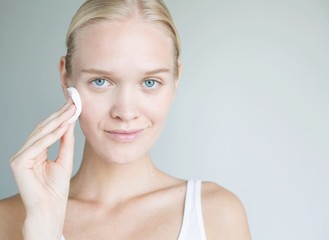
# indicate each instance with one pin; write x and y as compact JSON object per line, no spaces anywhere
{"x":93,"y":82}
{"x":106,"y":83}
{"x":156,"y":83}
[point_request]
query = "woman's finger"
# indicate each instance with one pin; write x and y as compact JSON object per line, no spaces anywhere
{"x":49,"y":118}
{"x":53,"y":116}
{"x":30,"y":139}
{"x":40,"y":159}
{"x":39,"y":146}
{"x":56,"y":114}
{"x":54,"y":123}
{"x":66,"y":149}
{"x":48,"y":128}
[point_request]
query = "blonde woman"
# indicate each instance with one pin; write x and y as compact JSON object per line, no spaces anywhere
{"x":123,"y":57}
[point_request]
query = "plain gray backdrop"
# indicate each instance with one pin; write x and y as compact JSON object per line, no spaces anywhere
{"x":251,"y":112}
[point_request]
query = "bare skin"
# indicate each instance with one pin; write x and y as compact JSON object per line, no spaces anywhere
{"x":159,"y":215}
{"x":117,"y":192}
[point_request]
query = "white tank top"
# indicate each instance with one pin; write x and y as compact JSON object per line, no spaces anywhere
{"x":192,"y":227}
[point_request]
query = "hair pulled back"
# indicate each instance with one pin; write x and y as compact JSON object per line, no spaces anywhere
{"x":93,"y":11}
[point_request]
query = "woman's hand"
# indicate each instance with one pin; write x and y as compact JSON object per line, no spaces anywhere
{"x":44,"y":184}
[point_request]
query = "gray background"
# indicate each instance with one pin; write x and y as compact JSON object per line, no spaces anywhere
{"x":251,"y":112}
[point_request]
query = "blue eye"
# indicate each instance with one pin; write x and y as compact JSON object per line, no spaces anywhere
{"x":150,"y":83}
{"x":99,"y":82}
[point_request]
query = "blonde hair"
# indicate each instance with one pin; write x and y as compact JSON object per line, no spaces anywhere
{"x":93,"y":11}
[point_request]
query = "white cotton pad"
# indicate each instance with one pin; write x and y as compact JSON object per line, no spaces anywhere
{"x":77,"y":101}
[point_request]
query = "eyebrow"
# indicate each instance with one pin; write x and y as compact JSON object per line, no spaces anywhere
{"x":96,"y":71}
{"x":103,"y":72}
{"x":160,"y":70}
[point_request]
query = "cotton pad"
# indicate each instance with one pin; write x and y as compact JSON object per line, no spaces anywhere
{"x":77,"y":101}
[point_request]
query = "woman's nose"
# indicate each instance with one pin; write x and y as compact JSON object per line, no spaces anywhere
{"x":125,"y":105}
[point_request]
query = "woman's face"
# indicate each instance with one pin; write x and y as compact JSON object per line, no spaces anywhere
{"x":125,"y":74}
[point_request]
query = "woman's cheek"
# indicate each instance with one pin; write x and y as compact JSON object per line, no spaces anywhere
{"x":161,"y":106}
{"x":91,"y":113}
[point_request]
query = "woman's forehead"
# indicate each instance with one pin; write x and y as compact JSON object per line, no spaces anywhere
{"x":132,"y":42}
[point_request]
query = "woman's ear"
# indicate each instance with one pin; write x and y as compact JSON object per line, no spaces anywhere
{"x":64,"y":76}
{"x":179,"y":72}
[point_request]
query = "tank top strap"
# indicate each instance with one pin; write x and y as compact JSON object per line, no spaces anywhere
{"x":192,"y":226}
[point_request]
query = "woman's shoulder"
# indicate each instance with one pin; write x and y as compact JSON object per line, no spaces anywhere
{"x":12,"y":214}
{"x":223,"y":213}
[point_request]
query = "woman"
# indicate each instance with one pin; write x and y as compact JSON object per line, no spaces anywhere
{"x":123,"y":57}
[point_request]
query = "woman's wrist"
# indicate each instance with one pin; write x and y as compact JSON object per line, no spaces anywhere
{"x":44,"y":225}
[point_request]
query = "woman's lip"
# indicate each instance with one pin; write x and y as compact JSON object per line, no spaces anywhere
{"x":124,"y":136}
{"x":120,"y":131}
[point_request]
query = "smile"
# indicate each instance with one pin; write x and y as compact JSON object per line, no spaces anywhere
{"x":124,"y":136}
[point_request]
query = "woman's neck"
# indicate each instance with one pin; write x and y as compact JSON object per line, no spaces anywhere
{"x":100,"y":180}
